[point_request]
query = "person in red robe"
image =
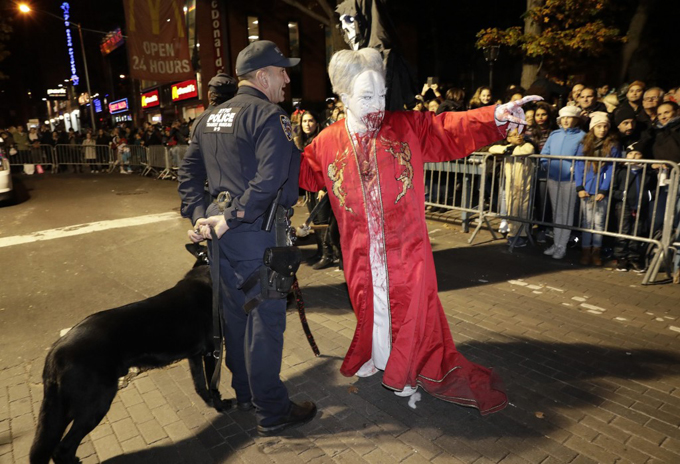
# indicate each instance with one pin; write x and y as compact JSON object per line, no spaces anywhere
{"x":372,"y":166}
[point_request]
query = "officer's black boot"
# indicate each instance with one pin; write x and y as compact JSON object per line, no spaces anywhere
{"x":318,"y":238}
{"x":327,"y":260}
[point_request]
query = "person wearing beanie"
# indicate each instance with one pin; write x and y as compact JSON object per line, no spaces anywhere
{"x":221,"y":88}
{"x":626,"y":124}
{"x":593,"y":179}
{"x":561,"y":189}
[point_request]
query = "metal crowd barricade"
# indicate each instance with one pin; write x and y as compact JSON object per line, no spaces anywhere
{"x":69,"y":155}
{"x":157,"y":161}
{"x":96,"y":157}
{"x":42,"y":154}
{"x":453,"y":186}
{"x":489,"y":187}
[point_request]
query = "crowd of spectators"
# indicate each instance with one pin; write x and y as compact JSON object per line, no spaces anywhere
{"x":96,"y":146}
{"x":635,"y":122}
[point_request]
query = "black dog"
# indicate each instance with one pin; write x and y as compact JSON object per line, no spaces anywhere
{"x":82,"y":369}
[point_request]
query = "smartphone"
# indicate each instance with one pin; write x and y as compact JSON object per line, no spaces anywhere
{"x":432,"y":80}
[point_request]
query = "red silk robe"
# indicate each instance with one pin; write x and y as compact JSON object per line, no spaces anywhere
{"x":422,"y":350}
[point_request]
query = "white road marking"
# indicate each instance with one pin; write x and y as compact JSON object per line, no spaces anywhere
{"x":593,"y":307}
{"x":80,"y":229}
{"x":674,"y":329}
{"x":517,"y":282}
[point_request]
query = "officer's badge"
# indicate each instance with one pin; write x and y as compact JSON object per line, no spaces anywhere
{"x":287,"y":127}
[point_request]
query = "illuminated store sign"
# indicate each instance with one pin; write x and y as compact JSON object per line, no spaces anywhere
{"x":69,"y":42}
{"x":97,"y":105}
{"x":56,"y":93}
{"x":119,"y":106}
{"x":184,"y":90}
{"x":112,"y":41}
{"x":150,"y":99}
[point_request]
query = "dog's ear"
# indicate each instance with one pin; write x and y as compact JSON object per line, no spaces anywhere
{"x":200,"y":252}
{"x":193,"y":249}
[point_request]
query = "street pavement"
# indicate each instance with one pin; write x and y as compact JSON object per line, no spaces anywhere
{"x":589,"y":356}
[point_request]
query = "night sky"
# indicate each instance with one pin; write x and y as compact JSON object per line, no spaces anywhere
{"x":438,"y":39}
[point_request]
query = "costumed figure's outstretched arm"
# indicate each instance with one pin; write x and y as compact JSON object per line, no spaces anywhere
{"x":455,"y":135}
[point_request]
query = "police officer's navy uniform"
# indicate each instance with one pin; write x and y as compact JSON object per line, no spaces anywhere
{"x":244,"y":146}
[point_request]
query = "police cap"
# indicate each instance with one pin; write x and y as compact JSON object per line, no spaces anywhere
{"x":260,"y":54}
{"x":223,"y":84}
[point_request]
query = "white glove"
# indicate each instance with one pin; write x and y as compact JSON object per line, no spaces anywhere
{"x":512,"y":113}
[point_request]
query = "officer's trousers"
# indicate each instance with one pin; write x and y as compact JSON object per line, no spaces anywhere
{"x":253,"y":342}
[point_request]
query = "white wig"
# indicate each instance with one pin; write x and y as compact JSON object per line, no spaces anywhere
{"x":346,"y":65}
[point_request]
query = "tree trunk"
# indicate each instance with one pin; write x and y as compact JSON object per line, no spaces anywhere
{"x":530,"y":69}
{"x":637,"y":26}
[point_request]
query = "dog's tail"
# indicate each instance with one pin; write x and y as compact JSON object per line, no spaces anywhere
{"x":52,"y":423}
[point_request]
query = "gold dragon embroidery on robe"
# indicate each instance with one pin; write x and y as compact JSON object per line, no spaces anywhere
{"x":402,"y":153}
{"x":336,"y":173}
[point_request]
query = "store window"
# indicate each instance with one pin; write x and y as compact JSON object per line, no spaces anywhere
{"x":253,"y":29}
{"x":294,"y":39}
{"x":295,"y":72}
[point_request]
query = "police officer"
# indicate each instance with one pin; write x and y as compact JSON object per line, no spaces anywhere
{"x":192,"y":174}
{"x":250,"y":160}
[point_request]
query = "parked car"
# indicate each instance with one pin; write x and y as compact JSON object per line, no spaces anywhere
{"x":6,"y":187}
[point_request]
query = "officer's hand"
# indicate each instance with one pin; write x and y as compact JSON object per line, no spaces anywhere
{"x":194,"y":236}
{"x":512,"y":112}
{"x":217,"y":222}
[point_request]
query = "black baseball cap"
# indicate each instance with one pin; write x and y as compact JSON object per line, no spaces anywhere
{"x":223,"y":84}
{"x":260,"y":54}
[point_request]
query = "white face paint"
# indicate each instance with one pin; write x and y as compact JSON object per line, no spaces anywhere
{"x":349,"y":27}
{"x":366,"y":105}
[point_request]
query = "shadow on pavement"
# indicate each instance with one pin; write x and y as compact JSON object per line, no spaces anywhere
{"x":457,"y":268}
{"x":549,"y":385}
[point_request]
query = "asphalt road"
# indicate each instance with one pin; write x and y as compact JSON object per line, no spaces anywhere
{"x":49,"y":285}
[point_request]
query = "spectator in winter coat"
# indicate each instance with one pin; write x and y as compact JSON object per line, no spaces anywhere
{"x":21,"y":139}
{"x":561,"y":188}
{"x":592,"y":183}
{"x":633,"y":189}
{"x":662,"y":142}
{"x":519,"y":171}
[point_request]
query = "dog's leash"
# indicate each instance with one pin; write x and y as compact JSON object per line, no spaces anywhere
{"x":216,"y":313}
{"x":303,"y":318}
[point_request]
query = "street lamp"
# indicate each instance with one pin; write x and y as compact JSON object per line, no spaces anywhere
{"x":491,"y":55}
{"x":24,"y":8}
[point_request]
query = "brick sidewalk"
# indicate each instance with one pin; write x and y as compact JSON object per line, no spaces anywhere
{"x":590,"y":359}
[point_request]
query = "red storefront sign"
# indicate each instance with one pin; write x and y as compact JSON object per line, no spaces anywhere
{"x":150,"y":99}
{"x":185,"y":90}
{"x":118,"y":106}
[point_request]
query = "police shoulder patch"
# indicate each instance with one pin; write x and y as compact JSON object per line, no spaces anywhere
{"x":287,"y":127}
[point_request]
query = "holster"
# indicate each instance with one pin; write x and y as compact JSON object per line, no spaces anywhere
{"x":275,"y":277}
